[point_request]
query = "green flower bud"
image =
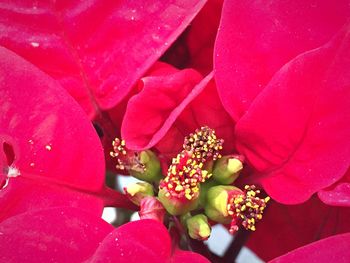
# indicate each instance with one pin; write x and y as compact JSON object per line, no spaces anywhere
{"x":227,"y":169}
{"x":137,"y":191}
{"x":198,"y":227}
{"x":217,"y":199}
{"x":177,"y":205}
{"x":151,"y":171}
{"x":204,"y":191}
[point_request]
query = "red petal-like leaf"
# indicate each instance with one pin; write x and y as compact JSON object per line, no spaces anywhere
{"x":194,"y":48}
{"x":338,"y":194}
{"x":145,"y":121}
{"x":201,"y":42}
{"x":97,"y":50}
{"x":332,"y":249}
{"x":296,"y":133}
{"x":256,"y":39}
{"x":181,"y":256}
{"x":184,"y":103}
{"x":53,"y":235}
{"x":50,"y":146}
{"x":139,"y":241}
{"x":284,"y":228}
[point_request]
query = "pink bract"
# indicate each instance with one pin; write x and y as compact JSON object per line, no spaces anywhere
{"x":337,"y":194}
{"x":169,"y":107}
{"x":97,"y":51}
{"x":282,"y":72}
{"x":50,"y":153}
{"x":256,"y":39}
{"x":297,"y":225}
{"x":68,"y":234}
{"x":335,"y":248}
{"x":295,"y":133}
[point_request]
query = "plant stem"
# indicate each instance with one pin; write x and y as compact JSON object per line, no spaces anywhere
{"x":236,"y":245}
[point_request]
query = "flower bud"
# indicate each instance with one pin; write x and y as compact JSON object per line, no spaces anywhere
{"x":217,"y":200}
{"x":137,"y":191}
{"x":151,"y":164}
{"x":204,"y":191}
{"x":227,"y":169}
{"x":176,"y":204}
{"x":198,"y":227}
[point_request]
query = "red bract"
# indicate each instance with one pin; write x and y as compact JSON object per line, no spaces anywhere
{"x":52,"y":173}
{"x":50,"y":154}
{"x":142,"y":241}
{"x":295,"y":132}
{"x":171,"y":105}
{"x":256,"y":39}
{"x":194,"y":48}
{"x":96,"y":50}
{"x":201,"y":42}
{"x":331,"y":249}
{"x":67,"y":234}
{"x":285,"y":228}
{"x":337,"y":194}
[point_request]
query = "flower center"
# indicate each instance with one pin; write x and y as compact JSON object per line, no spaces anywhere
{"x":126,"y":159}
{"x":204,"y":144}
{"x":184,"y":175}
{"x":186,"y":171}
{"x":246,"y":208}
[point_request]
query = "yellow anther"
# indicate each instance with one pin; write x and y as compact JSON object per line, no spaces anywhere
{"x":188,"y":196}
{"x":247,"y":208}
{"x":178,"y":188}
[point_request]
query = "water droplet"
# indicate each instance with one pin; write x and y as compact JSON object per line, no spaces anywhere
{"x":48,"y":147}
{"x":132,"y":18}
{"x":32,"y":164}
{"x":116,"y":239}
{"x":13,"y":172}
{"x":30,"y":142}
{"x":34,"y":44}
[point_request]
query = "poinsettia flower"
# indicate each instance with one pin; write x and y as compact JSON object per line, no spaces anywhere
{"x":295,"y":75}
{"x":52,"y":181}
{"x":286,"y":80}
{"x":97,"y":51}
{"x":185,"y":102}
{"x":335,"y":248}
{"x":70,"y":234}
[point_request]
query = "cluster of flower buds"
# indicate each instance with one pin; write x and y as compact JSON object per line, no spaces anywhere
{"x":185,"y":191}
{"x":179,"y":191}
